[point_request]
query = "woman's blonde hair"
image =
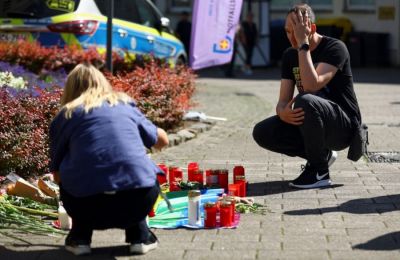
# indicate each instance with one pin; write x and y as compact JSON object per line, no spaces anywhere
{"x":86,"y":86}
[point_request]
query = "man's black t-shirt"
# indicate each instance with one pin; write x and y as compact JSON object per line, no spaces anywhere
{"x":340,"y":88}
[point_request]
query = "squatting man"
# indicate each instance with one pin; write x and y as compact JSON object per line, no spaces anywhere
{"x":324,"y":116}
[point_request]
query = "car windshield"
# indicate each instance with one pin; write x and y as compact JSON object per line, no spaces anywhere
{"x":36,"y":8}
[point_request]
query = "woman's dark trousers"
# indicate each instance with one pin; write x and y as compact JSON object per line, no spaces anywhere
{"x":125,"y":210}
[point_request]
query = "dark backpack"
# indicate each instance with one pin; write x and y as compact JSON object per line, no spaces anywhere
{"x":359,"y":143}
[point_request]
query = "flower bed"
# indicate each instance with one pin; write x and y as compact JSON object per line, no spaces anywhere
{"x":36,"y":58}
{"x":161,"y":92}
{"x":44,"y":80}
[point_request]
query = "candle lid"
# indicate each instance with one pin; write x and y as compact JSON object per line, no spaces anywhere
{"x":209,"y":204}
{"x":229,"y":198}
{"x":226,"y":203}
{"x":223,"y":171}
{"x":194,"y":193}
{"x":238,"y":169}
{"x":173,"y":168}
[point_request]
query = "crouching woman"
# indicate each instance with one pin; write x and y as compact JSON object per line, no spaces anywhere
{"x":97,"y":148}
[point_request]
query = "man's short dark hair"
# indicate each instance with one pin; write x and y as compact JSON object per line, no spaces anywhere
{"x":304,"y":8}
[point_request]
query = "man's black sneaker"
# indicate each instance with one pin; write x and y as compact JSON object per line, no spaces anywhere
{"x":332,"y":158}
{"x":146,"y":246}
{"x":311,"y":178}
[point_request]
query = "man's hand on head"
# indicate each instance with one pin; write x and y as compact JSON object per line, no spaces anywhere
{"x":301,"y":26}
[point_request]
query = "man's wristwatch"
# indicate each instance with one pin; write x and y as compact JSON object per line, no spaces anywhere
{"x":305,"y":47}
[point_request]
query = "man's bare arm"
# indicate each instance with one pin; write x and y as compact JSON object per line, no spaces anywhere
{"x":284,"y":107}
{"x":313,"y":79}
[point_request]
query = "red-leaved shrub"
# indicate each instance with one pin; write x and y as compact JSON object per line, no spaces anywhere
{"x":37,"y":58}
{"x":24,"y":132}
{"x":161,"y":93}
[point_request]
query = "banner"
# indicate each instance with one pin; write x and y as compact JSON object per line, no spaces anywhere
{"x":214,"y":23}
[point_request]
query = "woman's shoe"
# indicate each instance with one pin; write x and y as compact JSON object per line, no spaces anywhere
{"x":146,"y":246}
{"x":77,"y":249}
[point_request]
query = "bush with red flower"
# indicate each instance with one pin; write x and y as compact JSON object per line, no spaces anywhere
{"x":23,"y":131}
{"x":161,"y":92}
{"x":36,"y":58}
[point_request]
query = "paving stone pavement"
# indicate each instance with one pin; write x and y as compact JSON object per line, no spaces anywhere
{"x":358,"y":218}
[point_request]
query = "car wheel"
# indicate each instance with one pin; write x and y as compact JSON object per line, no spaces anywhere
{"x":181,"y":61}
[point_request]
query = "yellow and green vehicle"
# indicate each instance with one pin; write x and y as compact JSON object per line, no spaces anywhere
{"x":138,"y":26}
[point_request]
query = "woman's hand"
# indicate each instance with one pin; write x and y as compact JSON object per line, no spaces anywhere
{"x":290,"y":115}
{"x":162,"y":139}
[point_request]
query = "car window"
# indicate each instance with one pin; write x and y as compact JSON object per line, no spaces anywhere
{"x":36,"y":8}
{"x":123,"y":9}
{"x":148,"y":16}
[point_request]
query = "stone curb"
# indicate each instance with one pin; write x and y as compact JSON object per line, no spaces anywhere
{"x":189,"y":133}
{"x":186,"y":134}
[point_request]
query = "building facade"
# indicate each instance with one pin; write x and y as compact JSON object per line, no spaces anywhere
{"x":375,"y":24}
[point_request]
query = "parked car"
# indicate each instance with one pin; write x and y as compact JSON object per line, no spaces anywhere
{"x":138,"y":26}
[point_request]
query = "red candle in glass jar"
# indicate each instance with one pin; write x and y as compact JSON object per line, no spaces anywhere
{"x":175,"y":176}
{"x":171,"y":171}
{"x":192,"y":168}
{"x":210,"y":215}
{"x":225,"y":214}
{"x":223,"y":179}
{"x":198,"y":176}
{"x":241,"y":181}
{"x":232,"y":200}
{"x":162,"y":178}
{"x":238,"y":170}
{"x":233,"y":189}
{"x":211,"y":178}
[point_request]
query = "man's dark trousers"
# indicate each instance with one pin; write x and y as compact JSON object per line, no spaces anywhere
{"x":325,"y":127}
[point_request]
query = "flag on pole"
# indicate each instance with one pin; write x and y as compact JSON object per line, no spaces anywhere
{"x":214,"y":24}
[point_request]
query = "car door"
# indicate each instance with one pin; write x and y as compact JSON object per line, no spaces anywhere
{"x":163,"y":48}
{"x":128,"y":34}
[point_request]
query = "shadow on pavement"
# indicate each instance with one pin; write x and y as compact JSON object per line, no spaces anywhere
{"x":390,"y":241}
{"x":219,"y":72}
{"x":59,"y":253}
{"x":275,"y":187}
{"x":379,"y":204}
